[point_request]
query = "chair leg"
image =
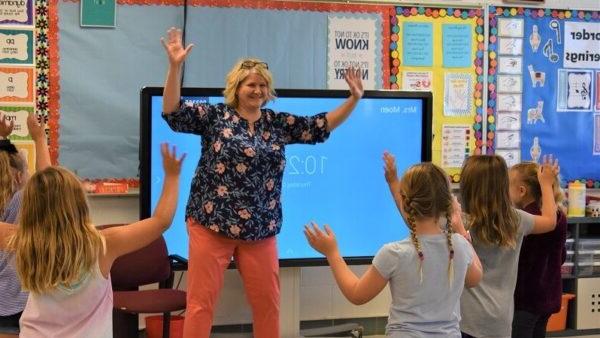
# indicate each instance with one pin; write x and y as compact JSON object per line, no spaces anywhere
{"x":125,"y":325}
{"x":166,"y":325}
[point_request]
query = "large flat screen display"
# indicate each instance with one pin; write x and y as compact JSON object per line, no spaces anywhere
{"x":339,"y":182}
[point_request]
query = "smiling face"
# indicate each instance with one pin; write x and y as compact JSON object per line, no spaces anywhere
{"x":252,"y":92}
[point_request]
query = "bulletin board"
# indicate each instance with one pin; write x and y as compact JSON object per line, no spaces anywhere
{"x":544,"y":95}
{"x":441,"y":50}
{"x":23,"y":68}
{"x":96,"y":103}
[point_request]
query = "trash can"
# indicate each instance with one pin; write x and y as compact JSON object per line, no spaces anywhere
{"x":558,"y":321}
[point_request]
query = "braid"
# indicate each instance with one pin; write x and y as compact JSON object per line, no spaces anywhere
{"x":413,"y":236}
{"x":449,"y":232}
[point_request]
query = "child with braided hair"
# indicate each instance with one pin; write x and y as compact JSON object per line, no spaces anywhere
{"x":426,"y":271}
{"x":496,"y":230}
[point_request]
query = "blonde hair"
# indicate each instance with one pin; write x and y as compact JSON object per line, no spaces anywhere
{"x":10,"y":165}
{"x":485,"y":199}
{"x":425,"y":192}
{"x":238,"y":74}
{"x":527,"y":173}
{"x":55,"y":245}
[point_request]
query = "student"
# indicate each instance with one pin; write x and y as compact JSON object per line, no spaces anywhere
{"x":426,"y":271}
{"x":64,"y":262}
{"x":234,"y":207}
{"x":14,"y":174}
{"x":497,"y":230}
{"x":539,"y":283}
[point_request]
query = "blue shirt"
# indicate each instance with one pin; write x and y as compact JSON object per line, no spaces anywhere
{"x":12,"y":298}
{"x":236,"y":189}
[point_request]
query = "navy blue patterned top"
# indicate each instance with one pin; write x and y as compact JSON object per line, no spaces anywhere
{"x":236,"y":189}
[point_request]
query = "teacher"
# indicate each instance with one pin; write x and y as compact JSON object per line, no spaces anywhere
{"x":234,"y":207}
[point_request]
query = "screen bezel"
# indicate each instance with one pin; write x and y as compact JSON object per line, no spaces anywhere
{"x":147,"y":93}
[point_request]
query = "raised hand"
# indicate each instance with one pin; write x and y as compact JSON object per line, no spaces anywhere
{"x":548,"y":170}
{"x":174,"y":46}
{"x":352,"y":77}
{"x":171,"y":164}
{"x":389,"y":167}
{"x":323,"y":242}
{"x":37,"y":131}
{"x":6,"y":127}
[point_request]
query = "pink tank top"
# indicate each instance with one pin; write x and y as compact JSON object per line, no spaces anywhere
{"x":82,"y":310}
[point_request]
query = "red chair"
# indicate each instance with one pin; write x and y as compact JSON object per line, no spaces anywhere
{"x":151,"y":264}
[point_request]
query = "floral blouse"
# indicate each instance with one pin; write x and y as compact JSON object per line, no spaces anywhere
{"x":236,"y":189}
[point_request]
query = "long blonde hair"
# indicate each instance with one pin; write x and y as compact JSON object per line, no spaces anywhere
{"x":425,"y":192}
{"x":239,"y":73}
{"x":485,"y":199}
{"x":55,"y":245}
{"x":527,"y":173}
{"x":7,"y":188}
{"x":11,"y":166}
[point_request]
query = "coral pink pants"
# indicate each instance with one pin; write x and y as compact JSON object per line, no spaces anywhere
{"x":257,"y":262}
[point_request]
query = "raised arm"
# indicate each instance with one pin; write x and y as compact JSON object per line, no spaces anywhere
{"x":357,"y":290}
{"x":391,"y":177}
{"x":547,"y":173}
{"x":339,"y":114}
{"x":125,"y":239}
{"x":177,"y":53}
{"x":38,"y":134}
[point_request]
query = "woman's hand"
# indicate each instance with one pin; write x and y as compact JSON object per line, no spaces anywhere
{"x":323,"y":242}
{"x":174,"y":46}
{"x":352,"y":77}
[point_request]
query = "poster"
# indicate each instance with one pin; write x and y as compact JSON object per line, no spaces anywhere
{"x":457,"y":94}
{"x":582,"y":45}
{"x":456,"y":48}
{"x":417,"y":44}
{"x":417,"y":81}
{"x":455,"y":145}
{"x":19,"y":116}
{"x":16,"y":12}
{"x":16,"y":84}
{"x":16,"y":46}
{"x":352,"y":43}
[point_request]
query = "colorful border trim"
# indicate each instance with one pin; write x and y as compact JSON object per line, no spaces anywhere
{"x":50,"y":102}
{"x":496,"y":12}
{"x":437,"y":12}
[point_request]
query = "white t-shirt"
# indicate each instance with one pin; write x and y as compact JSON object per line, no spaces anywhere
{"x":430,"y":309}
{"x":487,"y":309}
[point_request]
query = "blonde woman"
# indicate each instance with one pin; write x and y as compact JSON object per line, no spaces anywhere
{"x":497,"y":230}
{"x":427,"y":271}
{"x":234,"y":207}
{"x":64,"y":262}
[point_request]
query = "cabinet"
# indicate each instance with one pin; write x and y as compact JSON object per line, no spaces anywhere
{"x":581,"y":276}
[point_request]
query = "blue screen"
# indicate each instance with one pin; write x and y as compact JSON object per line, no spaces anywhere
{"x":339,"y":182}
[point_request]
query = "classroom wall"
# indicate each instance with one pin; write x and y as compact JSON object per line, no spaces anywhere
{"x":319,"y":297}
